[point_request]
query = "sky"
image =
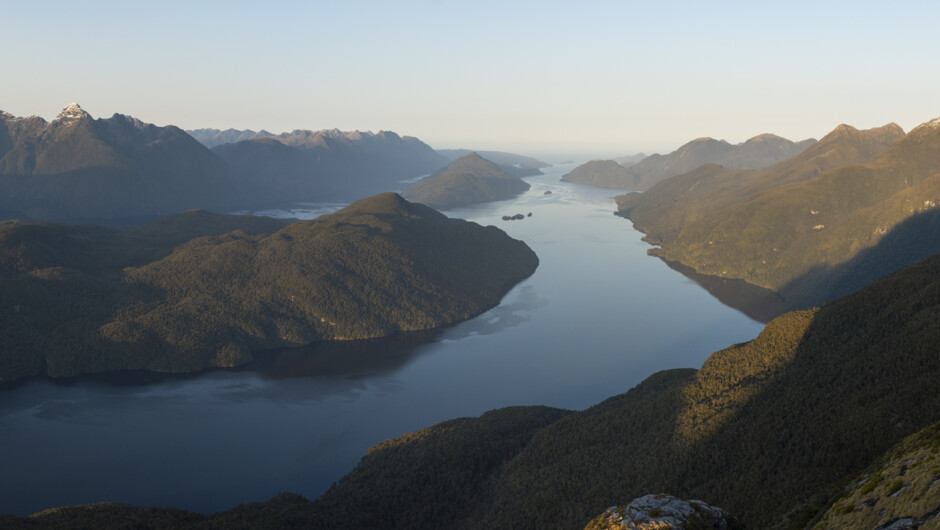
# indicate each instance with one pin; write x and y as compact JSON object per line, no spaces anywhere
{"x":590,"y":78}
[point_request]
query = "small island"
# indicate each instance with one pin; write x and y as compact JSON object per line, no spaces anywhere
{"x":201,"y":290}
{"x":468,"y":180}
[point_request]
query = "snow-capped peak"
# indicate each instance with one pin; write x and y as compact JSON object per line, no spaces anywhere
{"x":71,"y":112}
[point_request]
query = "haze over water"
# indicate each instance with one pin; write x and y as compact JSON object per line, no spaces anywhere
{"x":596,"y":318}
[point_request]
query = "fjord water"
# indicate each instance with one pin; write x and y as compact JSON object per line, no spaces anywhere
{"x":597,"y":317}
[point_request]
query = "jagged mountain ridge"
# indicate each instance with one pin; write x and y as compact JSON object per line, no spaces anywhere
{"x":79,"y":168}
{"x":329,"y":164}
{"x":213,"y":137}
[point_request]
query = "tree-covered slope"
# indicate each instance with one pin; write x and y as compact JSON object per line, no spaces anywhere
{"x":83,"y":299}
{"x":808,"y":233}
{"x":677,"y":201}
{"x":79,"y":168}
{"x":468,"y":180}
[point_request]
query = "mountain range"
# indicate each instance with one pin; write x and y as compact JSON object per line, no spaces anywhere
{"x":313,"y":165}
{"x":468,"y":180}
{"x":198,"y":290}
{"x":79,"y":168}
{"x":829,"y":418}
{"x":756,"y":153}
{"x":855,"y":206}
{"x":122,"y":170}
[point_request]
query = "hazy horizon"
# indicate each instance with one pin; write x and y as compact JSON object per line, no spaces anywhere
{"x":596,"y":79}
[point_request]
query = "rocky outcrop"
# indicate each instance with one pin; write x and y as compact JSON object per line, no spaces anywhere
{"x":902,"y":491}
{"x":662,"y":512}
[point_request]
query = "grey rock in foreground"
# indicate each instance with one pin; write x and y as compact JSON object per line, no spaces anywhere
{"x":662,"y":512}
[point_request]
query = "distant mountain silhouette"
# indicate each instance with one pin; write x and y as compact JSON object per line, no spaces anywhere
{"x":629,"y":160}
{"x":515,"y":165}
{"x":213,"y":137}
{"x":79,"y":168}
{"x":756,"y":153}
{"x":328,"y":165}
{"x":471,"y":179}
{"x":603,"y":174}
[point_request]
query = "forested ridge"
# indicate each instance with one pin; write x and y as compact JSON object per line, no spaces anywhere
{"x":855,"y":206}
{"x":82,"y":298}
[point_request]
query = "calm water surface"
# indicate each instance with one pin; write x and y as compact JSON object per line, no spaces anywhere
{"x":596,"y":318}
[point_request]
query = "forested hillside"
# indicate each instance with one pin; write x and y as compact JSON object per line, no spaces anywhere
{"x":805,"y":229}
{"x":81,"y":299}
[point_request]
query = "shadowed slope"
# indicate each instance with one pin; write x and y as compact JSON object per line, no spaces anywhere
{"x":79,"y":168}
{"x":378,"y":267}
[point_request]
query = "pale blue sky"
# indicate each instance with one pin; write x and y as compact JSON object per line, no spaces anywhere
{"x":589,"y":77}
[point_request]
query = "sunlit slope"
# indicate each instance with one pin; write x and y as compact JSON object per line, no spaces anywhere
{"x":807,"y":233}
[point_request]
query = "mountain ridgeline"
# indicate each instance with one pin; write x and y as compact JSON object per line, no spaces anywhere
{"x":329,"y":164}
{"x":83,"y":298}
{"x":468,"y":180}
{"x":79,"y":168}
{"x":855,"y":206}
{"x":121,"y":170}
{"x":756,"y":153}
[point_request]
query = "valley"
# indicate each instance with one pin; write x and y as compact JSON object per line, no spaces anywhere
{"x":307,"y":416}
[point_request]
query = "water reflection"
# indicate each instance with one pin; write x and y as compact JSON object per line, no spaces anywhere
{"x":352,"y":358}
{"x":758,"y":303}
